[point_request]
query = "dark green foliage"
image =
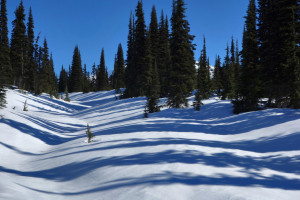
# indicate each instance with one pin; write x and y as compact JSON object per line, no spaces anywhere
{"x":163,"y":57}
{"x":102,"y":82}
{"x":182,"y":76}
{"x":52,"y":79}
{"x":217,"y":78}
{"x":93,"y":84}
{"x":5,"y":65}
{"x":30,"y":64}
{"x":76,"y":77}
{"x":63,"y":80}
{"x":278,"y":30}
{"x":228,"y":77}
{"x":89,"y":133}
{"x":154,"y":35}
{"x":130,"y":72}
{"x":203,"y":75}
{"x":153,"y":86}
{"x":249,"y":86}
{"x":45,"y":85}
{"x":119,"y":69}
{"x":18,"y":46}
{"x":86,"y":80}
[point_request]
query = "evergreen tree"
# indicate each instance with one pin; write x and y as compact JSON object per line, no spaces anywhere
{"x":45,"y":85}
{"x":89,"y":133}
{"x":30,"y":64}
{"x":102,"y":76}
{"x":163,"y":57}
{"x":86,"y":82}
{"x":52,"y":80}
{"x":5,"y":64}
{"x":63,"y":80}
{"x":141,"y":65}
{"x":93,"y":85}
{"x":182,"y":76}
{"x":228,"y":77}
{"x":18,"y":45}
{"x":2,"y":97}
{"x":154,"y":34}
{"x":217,"y":78}
{"x":278,"y":30}
{"x":130,"y":72}
{"x":203,"y":77}
{"x":76,"y":77}
{"x":67,"y":94}
{"x":249,"y":91}
{"x":119,"y":72}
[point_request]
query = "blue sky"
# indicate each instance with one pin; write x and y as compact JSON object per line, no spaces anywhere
{"x":97,"y":24}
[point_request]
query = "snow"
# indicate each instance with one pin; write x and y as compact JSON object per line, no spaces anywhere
{"x":173,"y":154}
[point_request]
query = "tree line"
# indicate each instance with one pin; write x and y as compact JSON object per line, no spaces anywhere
{"x":160,"y":60}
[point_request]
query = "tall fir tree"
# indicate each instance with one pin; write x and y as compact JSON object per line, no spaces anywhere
{"x":5,"y":64}
{"x":182,"y":76}
{"x":76,"y":77}
{"x":154,"y":34}
{"x":228,"y":77}
{"x":130,"y":72}
{"x":52,"y":79}
{"x":30,"y":64}
{"x":45,"y":70}
{"x":217,"y":77}
{"x":120,"y":69}
{"x":249,"y":90}
{"x":163,"y":57}
{"x":93,"y":84}
{"x":102,"y":76}
{"x":86,"y":82}
{"x":63,"y":80}
{"x":18,"y":45}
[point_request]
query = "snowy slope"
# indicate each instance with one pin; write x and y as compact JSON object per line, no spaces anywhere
{"x":174,"y":154}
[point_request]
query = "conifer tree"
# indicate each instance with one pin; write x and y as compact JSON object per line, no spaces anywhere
{"x":5,"y":64}
{"x":93,"y":84}
{"x":45,"y":85}
{"x":76,"y":77}
{"x":102,"y":76}
{"x":30,"y":64}
{"x":154,"y":35}
{"x":163,"y":57}
{"x":2,"y":97}
{"x":18,"y":45}
{"x":182,"y":76}
{"x":228,"y":77}
{"x":141,"y":67}
{"x":249,"y":91}
{"x":67,"y":94}
{"x":89,"y":133}
{"x":130,"y":72}
{"x":217,"y":78}
{"x":120,"y":69}
{"x":203,"y":77}
{"x":52,"y":79}
{"x":63,"y":80}
{"x":86,"y":82}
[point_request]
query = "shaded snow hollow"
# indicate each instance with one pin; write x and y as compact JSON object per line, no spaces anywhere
{"x":174,"y":154}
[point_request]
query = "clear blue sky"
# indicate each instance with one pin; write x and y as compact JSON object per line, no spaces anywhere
{"x":97,"y":24}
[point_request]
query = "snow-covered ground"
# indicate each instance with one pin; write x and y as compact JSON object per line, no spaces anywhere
{"x":174,"y":154}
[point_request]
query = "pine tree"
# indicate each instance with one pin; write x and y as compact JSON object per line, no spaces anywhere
{"x":249,"y":90}
{"x":67,"y":94}
{"x":5,"y":64}
{"x":153,"y":86}
{"x":120,"y":69}
{"x":203,"y":77}
{"x":52,"y":79}
{"x":30,"y":64}
{"x":217,"y":78}
{"x":86,"y":82}
{"x":141,"y":67}
{"x":228,"y":77}
{"x":182,"y":76}
{"x":164,"y":57}
{"x":76,"y":77}
{"x":18,"y":45}
{"x":102,"y":76}
{"x":130,"y":72}
{"x":2,"y":97}
{"x":93,"y":85}
{"x":45,"y":85}
{"x":154,"y":34}
{"x":63,"y":80}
